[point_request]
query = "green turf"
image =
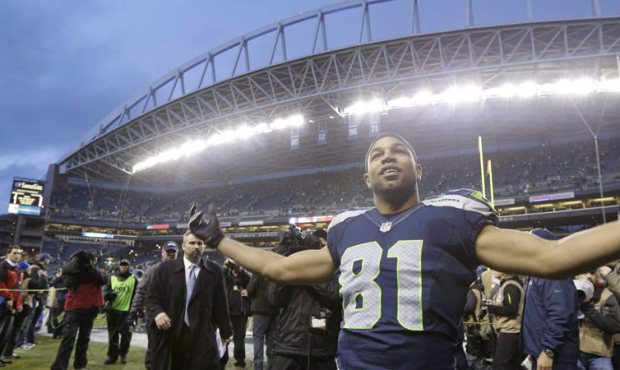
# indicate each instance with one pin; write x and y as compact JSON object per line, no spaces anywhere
{"x":42,"y":356}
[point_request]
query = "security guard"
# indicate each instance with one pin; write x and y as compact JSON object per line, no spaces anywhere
{"x":119,"y":293}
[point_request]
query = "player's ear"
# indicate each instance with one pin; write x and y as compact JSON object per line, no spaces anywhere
{"x":367,"y":179}
{"x":418,"y":171}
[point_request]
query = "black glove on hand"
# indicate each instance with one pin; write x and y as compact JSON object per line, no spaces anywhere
{"x":192,"y":210}
{"x":208,"y":230}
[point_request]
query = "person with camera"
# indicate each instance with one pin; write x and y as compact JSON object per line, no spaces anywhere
{"x":38,"y":281}
{"x":84,"y":300}
{"x":599,"y":321}
{"x":478,"y":328}
{"x":59,"y":306}
{"x":507,"y":308}
{"x":169,"y":252}
{"x":264,"y":321}
{"x":611,"y":274}
{"x":236,"y":280}
{"x":309,"y":315}
{"x":119,"y":292}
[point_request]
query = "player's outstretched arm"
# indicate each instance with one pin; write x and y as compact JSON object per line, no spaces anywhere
{"x":307,"y":267}
{"x":521,"y":253}
{"x":302,"y":268}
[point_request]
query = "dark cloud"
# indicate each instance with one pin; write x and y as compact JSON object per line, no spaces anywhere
{"x":66,"y":64}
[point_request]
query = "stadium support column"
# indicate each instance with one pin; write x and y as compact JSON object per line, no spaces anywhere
{"x":598,"y":158}
{"x":481,"y":167}
{"x":19,"y":226}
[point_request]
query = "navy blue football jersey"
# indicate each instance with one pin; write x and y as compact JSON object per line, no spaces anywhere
{"x":404,"y":278}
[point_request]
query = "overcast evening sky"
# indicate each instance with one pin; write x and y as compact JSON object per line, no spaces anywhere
{"x":66,"y":64}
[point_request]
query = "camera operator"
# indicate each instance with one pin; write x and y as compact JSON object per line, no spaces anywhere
{"x":508,"y":310}
{"x":38,"y":280}
{"x":309,"y":317}
{"x":600,"y":321}
{"x":611,"y":274}
{"x":264,"y":321}
{"x":236,"y":280}
{"x":59,"y":306}
{"x":83,"y":302}
{"x":478,"y":328}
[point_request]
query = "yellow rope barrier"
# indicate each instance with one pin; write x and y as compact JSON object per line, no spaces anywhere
{"x":31,"y":290}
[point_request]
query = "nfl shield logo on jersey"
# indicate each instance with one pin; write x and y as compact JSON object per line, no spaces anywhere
{"x":385,"y":227}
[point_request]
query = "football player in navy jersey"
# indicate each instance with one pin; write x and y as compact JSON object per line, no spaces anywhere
{"x":404,"y":266}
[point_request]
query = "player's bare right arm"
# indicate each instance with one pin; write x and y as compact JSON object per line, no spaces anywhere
{"x":521,"y":253}
{"x":301,"y":268}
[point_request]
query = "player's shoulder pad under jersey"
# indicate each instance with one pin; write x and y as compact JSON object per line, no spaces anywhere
{"x":465,"y":199}
{"x":352,"y":212}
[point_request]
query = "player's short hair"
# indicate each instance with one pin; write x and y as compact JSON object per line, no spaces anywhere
{"x":394,"y":135}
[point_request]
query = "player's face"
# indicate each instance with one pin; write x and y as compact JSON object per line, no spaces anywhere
{"x":392,"y":171}
{"x":193,"y":248}
{"x":123,"y":269}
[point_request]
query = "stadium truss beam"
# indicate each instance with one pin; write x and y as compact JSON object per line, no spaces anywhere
{"x":331,"y":79}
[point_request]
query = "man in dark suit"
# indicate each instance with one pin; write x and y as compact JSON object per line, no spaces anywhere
{"x":184,"y":329}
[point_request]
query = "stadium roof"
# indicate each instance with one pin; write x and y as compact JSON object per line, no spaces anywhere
{"x":322,"y":81}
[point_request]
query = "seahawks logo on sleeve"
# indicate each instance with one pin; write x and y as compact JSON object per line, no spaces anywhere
{"x":347,"y":214}
{"x":465,"y":199}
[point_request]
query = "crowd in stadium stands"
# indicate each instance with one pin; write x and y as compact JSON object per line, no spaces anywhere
{"x":516,"y":173}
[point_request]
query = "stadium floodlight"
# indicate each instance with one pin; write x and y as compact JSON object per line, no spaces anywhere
{"x":473,"y":93}
{"x":243,"y":132}
{"x":506,"y":91}
{"x":609,"y":86}
{"x":400,"y":102}
{"x":363,"y":107}
{"x":282,"y":123}
{"x":424,"y":97}
{"x":582,"y":86}
{"x":458,"y":95}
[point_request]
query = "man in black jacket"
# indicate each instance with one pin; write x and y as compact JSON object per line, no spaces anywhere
{"x":308,"y":320}
{"x":187,"y":301}
{"x":168,"y":253}
{"x":38,"y":280}
{"x":263,"y":328}
{"x":236,"y":280}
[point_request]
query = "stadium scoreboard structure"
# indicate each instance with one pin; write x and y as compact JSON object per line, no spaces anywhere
{"x":26,"y":197}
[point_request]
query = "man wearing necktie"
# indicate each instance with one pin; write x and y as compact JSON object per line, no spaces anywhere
{"x":187,"y":300}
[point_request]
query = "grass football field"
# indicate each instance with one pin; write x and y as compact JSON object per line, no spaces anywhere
{"x":44,"y":353}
